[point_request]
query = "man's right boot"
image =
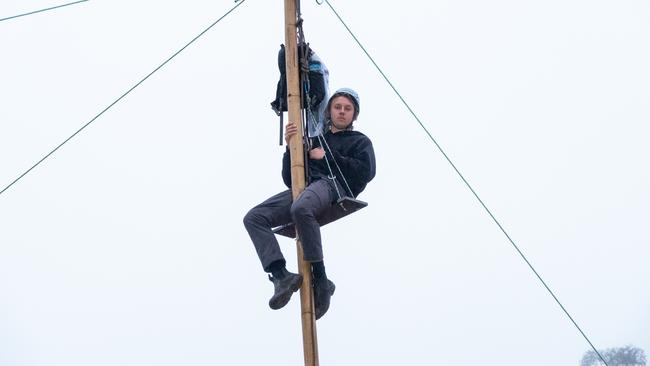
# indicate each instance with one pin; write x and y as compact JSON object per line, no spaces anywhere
{"x":284,"y":288}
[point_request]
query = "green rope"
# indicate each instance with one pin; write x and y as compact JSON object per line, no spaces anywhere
{"x":42,"y":10}
{"x":465,"y":181}
{"x":121,"y":97}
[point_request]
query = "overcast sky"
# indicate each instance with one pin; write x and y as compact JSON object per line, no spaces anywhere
{"x":126,"y":246}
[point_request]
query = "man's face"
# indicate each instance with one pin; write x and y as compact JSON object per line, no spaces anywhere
{"x":341,"y":112}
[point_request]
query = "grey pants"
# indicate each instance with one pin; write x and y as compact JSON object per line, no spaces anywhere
{"x":281,"y":209}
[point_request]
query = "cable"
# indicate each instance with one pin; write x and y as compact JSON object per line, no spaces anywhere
{"x":465,"y":181}
{"x":123,"y":95}
{"x":323,"y":143}
{"x":42,"y":10}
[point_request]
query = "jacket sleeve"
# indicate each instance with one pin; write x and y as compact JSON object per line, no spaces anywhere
{"x":359,"y":165}
{"x":286,"y":168}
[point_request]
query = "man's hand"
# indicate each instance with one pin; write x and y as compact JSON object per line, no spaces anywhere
{"x":290,"y":130}
{"x":317,"y":153}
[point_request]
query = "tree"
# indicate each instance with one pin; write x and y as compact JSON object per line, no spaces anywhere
{"x":621,"y":356}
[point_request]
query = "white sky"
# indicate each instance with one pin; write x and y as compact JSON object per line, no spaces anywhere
{"x":126,"y":246}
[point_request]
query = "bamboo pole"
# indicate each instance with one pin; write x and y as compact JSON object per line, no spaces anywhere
{"x":296,"y":149}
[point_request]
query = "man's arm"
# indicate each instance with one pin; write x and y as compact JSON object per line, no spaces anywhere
{"x":360,"y":164}
{"x":286,"y":168}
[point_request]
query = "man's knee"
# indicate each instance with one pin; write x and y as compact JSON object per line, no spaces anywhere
{"x":254,"y":217}
{"x":299,"y":210}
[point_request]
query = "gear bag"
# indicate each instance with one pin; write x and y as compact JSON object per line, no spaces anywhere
{"x":315,"y":86}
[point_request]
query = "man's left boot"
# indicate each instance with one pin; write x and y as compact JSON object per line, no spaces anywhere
{"x":323,"y":291}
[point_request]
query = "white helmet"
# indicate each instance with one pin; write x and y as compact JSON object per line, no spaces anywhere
{"x":348,"y":93}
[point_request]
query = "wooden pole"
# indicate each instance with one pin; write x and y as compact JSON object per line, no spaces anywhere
{"x":296,"y":149}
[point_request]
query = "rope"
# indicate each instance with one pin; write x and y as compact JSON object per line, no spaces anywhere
{"x":40,"y":11}
{"x":323,"y":142}
{"x":331,"y":175}
{"x":311,"y":120}
{"x":122,"y":96}
{"x":309,"y":116}
{"x":465,"y":181}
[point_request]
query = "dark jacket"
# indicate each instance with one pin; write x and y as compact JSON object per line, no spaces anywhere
{"x":353,"y":153}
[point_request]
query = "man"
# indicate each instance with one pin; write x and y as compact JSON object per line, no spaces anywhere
{"x":352,"y":152}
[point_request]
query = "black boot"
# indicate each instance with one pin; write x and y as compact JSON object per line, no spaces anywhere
{"x":285,"y":284}
{"x":323,"y":291}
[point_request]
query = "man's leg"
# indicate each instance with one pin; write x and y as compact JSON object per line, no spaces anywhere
{"x":317,"y":197}
{"x":312,"y":201}
{"x":259,"y":222}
